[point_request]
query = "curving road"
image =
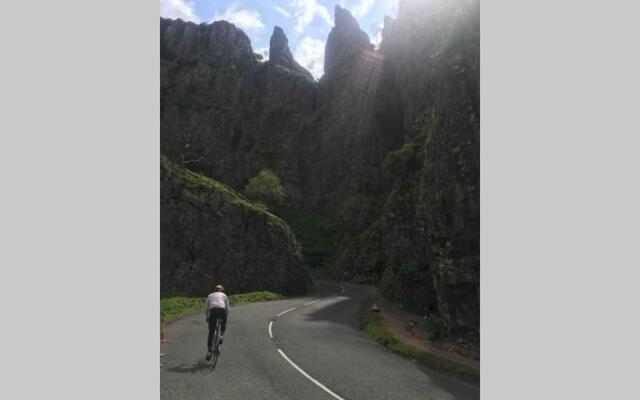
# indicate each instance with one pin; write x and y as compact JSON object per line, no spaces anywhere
{"x":316,"y":353}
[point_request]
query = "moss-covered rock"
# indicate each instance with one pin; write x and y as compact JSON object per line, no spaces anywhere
{"x":211,"y":234}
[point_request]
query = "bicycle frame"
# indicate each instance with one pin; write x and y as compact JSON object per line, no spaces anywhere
{"x":216,"y":345}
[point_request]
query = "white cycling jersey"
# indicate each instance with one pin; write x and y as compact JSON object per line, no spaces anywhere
{"x":217,"y":300}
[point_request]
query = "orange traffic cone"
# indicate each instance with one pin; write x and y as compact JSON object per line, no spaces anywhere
{"x":162,"y":339}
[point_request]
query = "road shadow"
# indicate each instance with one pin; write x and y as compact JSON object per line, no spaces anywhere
{"x":198,"y":367}
{"x":339,"y":312}
{"x":346,"y":308}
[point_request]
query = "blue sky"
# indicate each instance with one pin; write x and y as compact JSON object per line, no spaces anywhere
{"x":305,"y":22}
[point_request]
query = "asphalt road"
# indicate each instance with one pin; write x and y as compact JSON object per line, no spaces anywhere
{"x":316,"y":353}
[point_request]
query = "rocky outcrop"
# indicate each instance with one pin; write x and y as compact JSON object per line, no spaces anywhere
{"x":230,"y":118}
{"x":227,"y":115}
{"x":350,"y":138}
{"x":279,"y":53}
{"x":388,"y":139}
{"x":210,"y":234}
{"x":345,"y":42}
{"x":424,"y":248}
{"x":219,"y":43}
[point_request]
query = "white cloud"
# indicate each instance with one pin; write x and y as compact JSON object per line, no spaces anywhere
{"x":310,"y":54}
{"x":182,"y":9}
{"x":363,"y":8}
{"x":306,"y":11}
{"x":264,"y":51}
{"x":246,"y":19}
{"x":283,"y":12}
{"x":377,"y":34}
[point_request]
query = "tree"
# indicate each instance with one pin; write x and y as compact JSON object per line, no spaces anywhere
{"x":265,"y":186}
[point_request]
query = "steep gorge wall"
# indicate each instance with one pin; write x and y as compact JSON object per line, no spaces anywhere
{"x":210,"y":234}
{"x":388,"y":138}
{"x":225,"y":114}
{"x":424,"y":248}
{"x":229,"y":115}
{"x":350,"y":137}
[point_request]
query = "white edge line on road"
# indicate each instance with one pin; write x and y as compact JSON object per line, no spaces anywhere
{"x":270,"y":333}
{"x":311,"y":302}
{"x":285,"y":311}
{"x":320,"y":385}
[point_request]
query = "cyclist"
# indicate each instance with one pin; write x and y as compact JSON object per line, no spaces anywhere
{"x":217,"y":307}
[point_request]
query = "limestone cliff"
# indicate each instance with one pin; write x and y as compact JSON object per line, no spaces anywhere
{"x":224,"y":113}
{"x":280,"y":54}
{"x":387,"y":139}
{"x":424,"y":248}
{"x":210,"y":234}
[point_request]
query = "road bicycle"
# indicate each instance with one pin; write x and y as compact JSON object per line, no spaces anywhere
{"x":215,"y":354}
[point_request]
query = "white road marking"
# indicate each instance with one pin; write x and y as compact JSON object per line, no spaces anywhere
{"x":311,"y":302}
{"x":270,"y":333}
{"x":286,"y":311}
{"x":320,"y":385}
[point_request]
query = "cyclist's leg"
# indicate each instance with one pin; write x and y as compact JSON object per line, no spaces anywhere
{"x":220,"y":315}
{"x":212,"y":328}
{"x":223,"y":317}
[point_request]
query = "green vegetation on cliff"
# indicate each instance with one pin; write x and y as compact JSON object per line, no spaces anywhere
{"x":205,"y":182}
{"x":295,"y":75}
{"x":314,"y":229}
{"x":211,"y":233}
{"x":398,"y":160}
{"x":265,"y":186}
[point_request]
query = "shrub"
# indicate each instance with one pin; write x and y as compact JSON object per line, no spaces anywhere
{"x":397,"y":161}
{"x":413,"y":271}
{"x":265,"y":187}
{"x":314,"y":229}
{"x":434,"y":325}
{"x":385,"y":287}
{"x":373,"y":325}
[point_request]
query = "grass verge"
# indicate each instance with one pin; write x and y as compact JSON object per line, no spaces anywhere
{"x":172,"y":308}
{"x":374,"y":327}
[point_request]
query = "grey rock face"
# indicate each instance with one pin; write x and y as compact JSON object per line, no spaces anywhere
{"x":210,"y":235}
{"x":346,"y":40}
{"x":280,"y":54}
{"x":352,"y":133}
{"x":227,"y":115}
{"x":414,"y":225}
{"x":219,"y":43}
{"x":425,"y":245}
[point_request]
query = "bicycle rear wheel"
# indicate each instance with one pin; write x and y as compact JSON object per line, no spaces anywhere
{"x":216,"y":347}
{"x":213,"y":361}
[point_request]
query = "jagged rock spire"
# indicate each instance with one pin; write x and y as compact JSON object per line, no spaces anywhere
{"x":280,"y":54}
{"x":344,"y":20}
{"x":346,"y":40}
{"x":279,"y":47}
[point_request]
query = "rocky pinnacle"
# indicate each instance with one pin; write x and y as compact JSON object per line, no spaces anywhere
{"x":346,"y":40}
{"x":280,"y":54}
